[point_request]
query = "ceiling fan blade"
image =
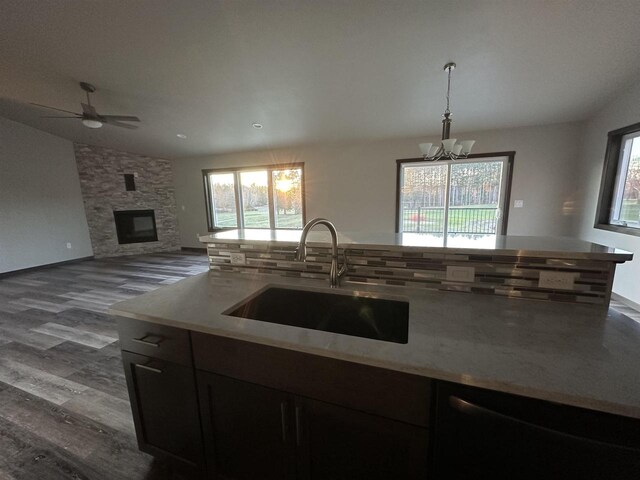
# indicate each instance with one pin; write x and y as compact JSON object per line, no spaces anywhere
{"x":120,"y":124}
{"x":89,"y":110}
{"x":53,"y":108}
{"x":123,"y":118}
{"x":49,"y":116}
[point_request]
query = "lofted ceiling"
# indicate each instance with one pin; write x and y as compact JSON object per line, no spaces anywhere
{"x":309,"y":70}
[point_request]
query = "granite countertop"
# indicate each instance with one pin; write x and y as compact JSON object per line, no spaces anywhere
{"x":555,"y":247}
{"x":573,"y":354}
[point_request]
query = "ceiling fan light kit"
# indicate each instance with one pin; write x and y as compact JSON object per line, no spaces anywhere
{"x":448,"y":149}
{"x":90,"y":117}
{"x":91,"y":123}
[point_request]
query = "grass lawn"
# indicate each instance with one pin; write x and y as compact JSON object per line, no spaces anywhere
{"x":258,"y":219}
{"x":471,"y":219}
{"x":630,"y":212}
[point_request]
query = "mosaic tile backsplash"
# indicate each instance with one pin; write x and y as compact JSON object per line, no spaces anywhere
{"x":510,"y":276}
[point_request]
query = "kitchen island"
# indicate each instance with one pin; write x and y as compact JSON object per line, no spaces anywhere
{"x":578,"y":355}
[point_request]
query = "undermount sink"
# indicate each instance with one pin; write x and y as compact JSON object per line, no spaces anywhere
{"x":346,"y":314}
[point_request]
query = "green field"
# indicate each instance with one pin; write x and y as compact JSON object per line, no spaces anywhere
{"x":630,"y":211}
{"x":260,"y":219}
{"x":472,"y":219}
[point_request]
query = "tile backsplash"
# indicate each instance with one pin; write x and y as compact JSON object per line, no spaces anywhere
{"x":494,"y":274}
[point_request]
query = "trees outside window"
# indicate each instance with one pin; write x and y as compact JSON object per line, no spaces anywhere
{"x":619,"y":202}
{"x":255,"y":197}
{"x":455,"y":197}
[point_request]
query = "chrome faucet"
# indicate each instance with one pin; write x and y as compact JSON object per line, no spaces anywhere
{"x":301,"y":252}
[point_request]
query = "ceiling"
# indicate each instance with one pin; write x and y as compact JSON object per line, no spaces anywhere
{"x":310,"y":71}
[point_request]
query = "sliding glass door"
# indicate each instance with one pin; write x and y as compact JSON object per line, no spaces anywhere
{"x":461,"y":197}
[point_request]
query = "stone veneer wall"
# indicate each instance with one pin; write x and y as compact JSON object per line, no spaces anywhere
{"x":510,"y":276}
{"x":101,"y":172}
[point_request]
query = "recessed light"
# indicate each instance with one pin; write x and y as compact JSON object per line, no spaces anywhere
{"x":181,"y":135}
{"x":257,"y":126}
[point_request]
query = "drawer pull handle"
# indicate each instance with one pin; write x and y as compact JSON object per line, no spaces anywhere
{"x":142,"y":341}
{"x":150,"y":369}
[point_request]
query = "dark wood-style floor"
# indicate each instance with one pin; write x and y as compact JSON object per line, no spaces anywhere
{"x":64,"y":408}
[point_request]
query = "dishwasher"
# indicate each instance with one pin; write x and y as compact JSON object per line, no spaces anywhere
{"x":484,"y":434}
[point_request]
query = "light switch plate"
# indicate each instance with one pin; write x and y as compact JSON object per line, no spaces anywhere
{"x":518,"y":203}
{"x":461,"y":274}
{"x":557,"y":280}
{"x":238,"y":259}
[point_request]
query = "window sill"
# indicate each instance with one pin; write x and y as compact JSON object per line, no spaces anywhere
{"x":618,"y":229}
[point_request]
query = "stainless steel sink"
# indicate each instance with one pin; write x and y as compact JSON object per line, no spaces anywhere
{"x":346,"y":314}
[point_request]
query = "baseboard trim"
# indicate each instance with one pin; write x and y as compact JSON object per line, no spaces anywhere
{"x":47,"y":265}
{"x":625,"y":301}
{"x":194,"y":249}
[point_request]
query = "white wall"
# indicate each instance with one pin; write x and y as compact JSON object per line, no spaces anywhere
{"x":354,"y":184}
{"x":41,"y":206}
{"x":623,"y":110}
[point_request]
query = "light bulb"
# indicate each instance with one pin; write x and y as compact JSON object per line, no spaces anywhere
{"x":91,"y":123}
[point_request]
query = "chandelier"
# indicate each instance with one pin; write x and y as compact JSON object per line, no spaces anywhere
{"x":448,"y":148}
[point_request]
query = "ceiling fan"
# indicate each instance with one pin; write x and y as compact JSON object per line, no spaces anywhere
{"x":92,"y":119}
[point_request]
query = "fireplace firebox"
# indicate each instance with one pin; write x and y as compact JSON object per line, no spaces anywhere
{"x":136,"y":226}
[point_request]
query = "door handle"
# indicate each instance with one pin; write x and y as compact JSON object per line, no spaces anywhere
{"x":471,"y":409}
{"x":298,"y":425}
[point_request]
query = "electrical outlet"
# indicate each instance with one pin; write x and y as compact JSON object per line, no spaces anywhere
{"x":461,"y":274}
{"x":557,"y":280}
{"x":518,"y":203}
{"x":238,"y":259}
{"x":69,"y":245}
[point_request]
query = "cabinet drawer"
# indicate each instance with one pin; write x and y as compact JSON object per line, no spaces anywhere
{"x":153,"y":340}
{"x":387,"y":393}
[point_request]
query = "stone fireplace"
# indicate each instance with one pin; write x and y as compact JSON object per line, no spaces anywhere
{"x":129,"y":201}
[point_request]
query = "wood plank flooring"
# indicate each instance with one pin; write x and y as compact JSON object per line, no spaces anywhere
{"x":64,"y":408}
{"x":626,"y":310}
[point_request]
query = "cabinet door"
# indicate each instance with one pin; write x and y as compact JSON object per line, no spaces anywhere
{"x":336,"y":443}
{"x":247,"y":429}
{"x":165,"y":408}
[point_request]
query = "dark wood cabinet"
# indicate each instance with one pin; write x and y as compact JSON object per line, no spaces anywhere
{"x":165,"y":410}
{"x":252,"y":432}
{"x":247,"y":431}
{"x":337,"y":443}
{"x":235,"y":410}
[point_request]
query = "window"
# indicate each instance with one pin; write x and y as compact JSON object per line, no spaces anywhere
{"x":468,"y":197}
{"x":255,"y":197}
{"x":619,"y":203}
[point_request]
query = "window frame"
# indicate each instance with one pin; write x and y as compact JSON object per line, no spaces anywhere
{"x":510,"y":156}
{"x":236,"y":171}
{"x":609,"y":180}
